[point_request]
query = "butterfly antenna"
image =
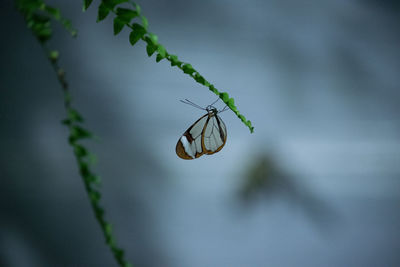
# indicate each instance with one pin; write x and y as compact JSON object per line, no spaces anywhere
{"x":215,"y":101}
{"x":188,"y":102}
{"x":224,"y":109}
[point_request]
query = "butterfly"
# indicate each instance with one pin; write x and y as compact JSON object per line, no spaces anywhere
{"x":206,"y":136}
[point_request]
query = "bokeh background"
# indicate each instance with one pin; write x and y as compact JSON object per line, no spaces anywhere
{"x":317,"y":184}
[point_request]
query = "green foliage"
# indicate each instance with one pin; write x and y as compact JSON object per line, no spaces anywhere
{"x":124,"y":17}
{"x":86,"y":4}
{"x":38,"y":18}
{"x":103,"y":12}
{"x":137,"y":33}
{"x":188,"y":69}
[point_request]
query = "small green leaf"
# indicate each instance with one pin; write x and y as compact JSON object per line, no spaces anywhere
{"x":103,"y":11}
{"x":126,"y":14}
{"x":118,"y":25}
{"x":188,"y":69}
{"x":72,"y":139}
{"x":86,"y":4}
{"x":153,"y":38}
{"x":136,"y":34}
{"x":74,"y":115}
{"x":137,"y":7}
{"x":80,"y":151}
{"x":199,"y":78}
{"x":94,"y":179}
{"x":44,"y":34}
{"x":224,"y":96}
{"x":108,"y":229}
{"x":231,"y":103}
{"x":119,"y":253}
{"x":150,"y":48}
{"x":159,"y":58}
{"x":161,"y":50}
{"x":99,"y":211}
{"x":79,"y":133}
{"x":53,"y":55}
{"x":145,"y":23}
{"x":55,"y":12}
{"x":94,"y":196}
{"x":242,"y":117}
{"x":174,"y":60}
{"x":84,"y":168}
{"x":248,"y":123}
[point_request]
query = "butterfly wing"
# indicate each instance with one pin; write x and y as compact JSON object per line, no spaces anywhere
{"x":189,"y":146}
{"x":214,"y":134}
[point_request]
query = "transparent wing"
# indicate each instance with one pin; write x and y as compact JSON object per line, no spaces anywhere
{"x":189,"y":146}
{"x":214,"y":135}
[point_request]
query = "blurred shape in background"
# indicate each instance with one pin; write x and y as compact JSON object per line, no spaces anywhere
{"x":265,"y":180}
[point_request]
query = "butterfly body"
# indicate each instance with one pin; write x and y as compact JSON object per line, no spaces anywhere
{"x":206,"y":136}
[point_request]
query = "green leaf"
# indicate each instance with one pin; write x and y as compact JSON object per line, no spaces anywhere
{"x":159,"y":58}
{"x":188,"y":69}
{"x":118,"y":25}
{"x":84,"y":168}
{"x":119,"y":253}
{"x":94,"y":179}
{"x":79,"y":133}
{"x":53,"y":55}
{"x":55,"y":12}
{"x":224,"y":96}
{"x":74,"y":115}
{"x":86,"y":4}
{"x":44,"y":34}
{"x":161,"y":50}
{"x":231,"y":103}
{"x":103,"y":11}
{"x":174,"y":60}
{"x":40,"y":26}
{"x":153,"y":38}
{"x":94,"y":196}
{"x":248,"y":123}
{"x":108,"y":229}
{"x":199,"y":78}
{"x":80,"y":151}
{"x":145,"y":23}
{"x":99,"y":211}
{"x":126,"y":14}
{"x":150,"y":48}
{"x":137,"y":7}
{"x":136,"y":34}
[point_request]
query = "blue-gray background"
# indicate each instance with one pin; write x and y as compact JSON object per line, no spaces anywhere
{"x":318,"y":79}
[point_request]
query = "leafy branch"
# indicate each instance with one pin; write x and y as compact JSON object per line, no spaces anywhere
{"x":139,"y":31}
{"x":38,"y":17}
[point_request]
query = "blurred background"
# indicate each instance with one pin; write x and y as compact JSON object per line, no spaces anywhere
{"x":317,"y":184}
